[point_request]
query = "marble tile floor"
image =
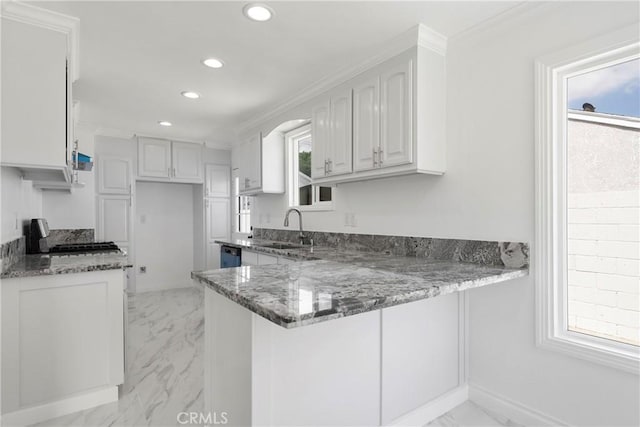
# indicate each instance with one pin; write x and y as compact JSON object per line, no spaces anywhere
{"x":165,"y":369}
{"x":470,"y":414}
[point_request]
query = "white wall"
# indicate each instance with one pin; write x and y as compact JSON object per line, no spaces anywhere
{"x":75,"y":210}
{"x":487,"y":193}
{"x":163,"y":235}
{"x":20,"y":203}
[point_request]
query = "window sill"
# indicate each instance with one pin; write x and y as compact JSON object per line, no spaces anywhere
{"x":613,"y":354}
{"x":313,"y":208}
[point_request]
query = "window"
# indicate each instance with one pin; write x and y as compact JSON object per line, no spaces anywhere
{"x":587,"y":188}
{"x":302,"y":194}
{"x":242,"y":209}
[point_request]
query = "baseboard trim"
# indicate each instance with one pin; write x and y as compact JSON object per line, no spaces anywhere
{"x":36,"y":414}
{"x":515,"y":411}
{"x":432,"y":410}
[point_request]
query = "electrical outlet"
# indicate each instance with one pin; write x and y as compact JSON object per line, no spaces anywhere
{"x":143,"y":269}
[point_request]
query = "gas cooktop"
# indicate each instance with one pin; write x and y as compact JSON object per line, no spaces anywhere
{"x":79,"y":248}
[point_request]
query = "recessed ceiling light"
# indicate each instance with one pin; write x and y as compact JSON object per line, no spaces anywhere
{"x":165,"y":123}
{"x":190,"y":95}
{"x":258,"y":12}
{"x":213,"y":63}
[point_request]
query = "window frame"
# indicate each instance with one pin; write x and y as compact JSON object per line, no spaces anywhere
{"x":237,"y":212}
{"x":291,"y":160}
{"x":550,"y":253}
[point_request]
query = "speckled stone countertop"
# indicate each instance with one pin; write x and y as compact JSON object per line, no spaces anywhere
{"x":327,"y":283}
{"x":42,"y":265}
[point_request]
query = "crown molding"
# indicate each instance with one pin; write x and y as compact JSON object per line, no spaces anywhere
{"x":510,"y":16}
{"x":33,"y":15}
{"x":419,"y":35}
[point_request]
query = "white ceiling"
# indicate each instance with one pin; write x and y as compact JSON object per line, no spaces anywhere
{"x":136,"y":57}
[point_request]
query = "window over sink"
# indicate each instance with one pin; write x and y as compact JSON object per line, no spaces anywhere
{"x":302,"y":193}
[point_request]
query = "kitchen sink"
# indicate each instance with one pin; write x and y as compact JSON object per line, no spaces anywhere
{"x":281,"y":246}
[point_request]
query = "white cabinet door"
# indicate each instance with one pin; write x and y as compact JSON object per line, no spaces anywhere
{"x":267,"y":259}
{"x":249,"y":258}
{"x":396,"y":107}
{"x":420,"y":354}
{"x":253,"y":171}
{"x":34,"y":98}
{"x":186,"y":162}
{"x":339,"y":149}
{"x":217,"y":181}
{"x":217,"y":227}
{"x":217,"y":219}
{"x":154,"y":158}
{"x":114,"y":218}
{"x":114,"y":175}
{"x":366,"y":124}
{"x":320,"y":134}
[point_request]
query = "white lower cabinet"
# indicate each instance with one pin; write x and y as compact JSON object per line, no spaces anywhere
{"x":420,"y":355}
{"x":255,"y":258}
{"x":249,"y":257}
{"x":62,"y":344}
{"x":396,"y":366}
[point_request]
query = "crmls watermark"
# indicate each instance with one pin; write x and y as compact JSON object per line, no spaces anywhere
{"x":201,"y":418}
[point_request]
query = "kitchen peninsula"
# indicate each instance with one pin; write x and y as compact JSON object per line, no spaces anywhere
{"x":343,"y":336}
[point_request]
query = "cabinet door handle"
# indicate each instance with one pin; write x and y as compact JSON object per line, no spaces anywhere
{"x":379,"y":157}
{"x":169,"y":172}
{"x":330,"y":165}
{"x":375,"y":162}
{"x":325,"y":166}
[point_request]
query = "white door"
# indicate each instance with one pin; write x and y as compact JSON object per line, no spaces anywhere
{"x":396,"y":134}
{"x":186,"y":162}
{"x":114,"y":218}
{"x":366,"y":124}
{"x":217,"y":181}
{"x":154,"y":158}
{"x":114,"y":175}
{"x":340,"y":141}
{"x":320,"y":131}
{"x":217,"y":227}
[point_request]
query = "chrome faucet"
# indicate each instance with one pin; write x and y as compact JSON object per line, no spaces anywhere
{"x":286,"y":222}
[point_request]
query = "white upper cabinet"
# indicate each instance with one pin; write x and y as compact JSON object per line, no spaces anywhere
{"x":114,"y":175}
{"x":339,"y":149}
{"x":396,"y":134}
{"x":159,"y":159}
{"x":217,"y":181}
{"x":154,"y":158}
{"x":394,"y":124}
{"x":186,"y":161}
{"x":36,"y":93}
{"x":320,"y":131}
{"x":366,"y":124}
{"x":258,"y":162}
{"x":331,"y":124}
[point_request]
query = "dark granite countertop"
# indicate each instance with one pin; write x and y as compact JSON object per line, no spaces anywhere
{"x":42,"y":265}
{"x":327,"y":283}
